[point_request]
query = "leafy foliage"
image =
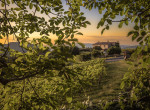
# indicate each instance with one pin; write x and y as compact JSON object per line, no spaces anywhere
{"x":75,"y":51}
{"x":41,"y":63}
{"x":37,"y":62}
{"x":97,"y":48}
{"x":114,"y":50}
{"x":85,"y":56}
{"x":54,"y":91}
{"x":96,"y":53}
{"x":136,"y":81}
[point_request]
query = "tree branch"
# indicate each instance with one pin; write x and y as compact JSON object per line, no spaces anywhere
{"x":4,"y":3}
{"x":12,"y":29}
{"x":121,"y":20}
{"x":5,"y":81}
{"x":143,"y":12}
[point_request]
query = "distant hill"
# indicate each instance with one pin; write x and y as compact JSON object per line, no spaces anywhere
{"x":89,"y":45}
{"x":128,"y":46}
{"x":15,"y":46}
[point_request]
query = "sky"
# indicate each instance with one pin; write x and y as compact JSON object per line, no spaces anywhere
{"x":92,"y":35}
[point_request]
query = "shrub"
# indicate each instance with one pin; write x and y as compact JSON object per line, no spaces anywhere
{"x":114,"y":50}
{"x":97,"y":48}
{"x":96,"y":53}
{"x":85,"y":56}
{"x":75,"y":51}
{"x":129,"y":51}
{"x":85,"y":49}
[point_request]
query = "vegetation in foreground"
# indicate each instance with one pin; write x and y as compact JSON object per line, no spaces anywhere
{"x":108,"y":88}
{"x":20,"y":75}
{"x":58,"y":92}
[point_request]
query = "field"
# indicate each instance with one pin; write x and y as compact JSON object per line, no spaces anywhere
{"x":94,"y":81}
{"x":109,"y":87}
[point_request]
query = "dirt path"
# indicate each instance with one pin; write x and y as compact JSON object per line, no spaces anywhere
{"x":109,"y":87}
{"x":114,"y":59}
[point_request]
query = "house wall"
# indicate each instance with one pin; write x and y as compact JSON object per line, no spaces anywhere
{"x":106,"y":46}
{"x":103,"y":46}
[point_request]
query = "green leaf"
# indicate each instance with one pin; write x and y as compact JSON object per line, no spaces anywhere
{"x":72,"y":39}
{"x":69,"y":99}
{"x":31,"y":6}
{"x":136,"y":27}
{"x":38,"y":8}
{"x":122,"y":12}
{"x":122,"y":85}
{"x":112,"y":16}
{"x":1,"y":37}
{"x":100,"y":11}
{"x":133,"y":18}
{"x":72,"y":36}
{"x":2,"y":4}
{"x":136,"y":34}
{"x":103,"y":31}
{"x":126,"y":22}
{"x":17,"y":9}
{"x":143,"y":33}
{"x":139,"y":39}
{"x":25,"y":44}
{"x":134,"y":96}
{"x":87,"y":22}
{"x":141,"y":43}
{"x":109,"y":21}
{"x":130,"y":33}
{"x":136,"y":21}
{"x":8,"y":1}
{"x":47,"y":53}
{"x":81,"y":44}
{"x":107,"y":27}
{"x":146,"y":48}
{"x":19,"y":59}
{"x":64,"y":23}
{"x":148,"y":60}
{"x":101,"y":23}
{"x":13,"y":65}
{"x":121,"y":24}
{"x":79,"y":33}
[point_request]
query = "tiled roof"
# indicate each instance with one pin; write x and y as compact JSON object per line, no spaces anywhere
{"x":104,"y":43}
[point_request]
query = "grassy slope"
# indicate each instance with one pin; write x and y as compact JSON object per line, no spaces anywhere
{"x":110,"y":84}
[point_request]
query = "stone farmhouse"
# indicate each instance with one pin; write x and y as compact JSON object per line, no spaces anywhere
{"x":106,"y":45}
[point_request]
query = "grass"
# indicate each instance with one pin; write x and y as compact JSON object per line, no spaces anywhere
{"x":109,"y":87}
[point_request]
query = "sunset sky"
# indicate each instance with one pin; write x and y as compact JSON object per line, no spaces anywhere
{"x":91,"y":34}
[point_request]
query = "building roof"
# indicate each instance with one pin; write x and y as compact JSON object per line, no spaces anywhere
{"x":104,"y":43}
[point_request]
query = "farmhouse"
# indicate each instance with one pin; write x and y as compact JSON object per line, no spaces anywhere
{"x":106,"y":45}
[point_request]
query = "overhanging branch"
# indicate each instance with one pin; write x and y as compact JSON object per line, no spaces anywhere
{"x":5,"y":81}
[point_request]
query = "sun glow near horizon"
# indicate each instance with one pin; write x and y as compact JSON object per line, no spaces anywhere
{"x":91,"y":34}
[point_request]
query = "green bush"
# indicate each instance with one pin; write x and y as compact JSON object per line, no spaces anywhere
{"x":96,"y":53}
{"x":85,"y":49}
{"x":75,"y":51}
{"x":97,"y":48}
{"x":85,"y":56}
{"x":114,"y":50}
{"x":129,"y":51}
